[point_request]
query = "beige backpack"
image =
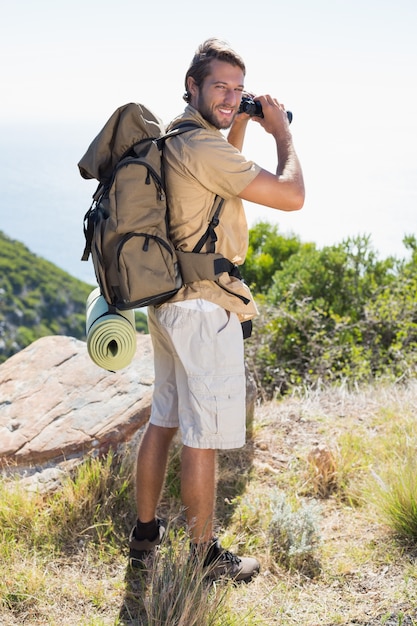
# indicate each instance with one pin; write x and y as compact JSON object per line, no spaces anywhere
{"x":126,"y":227}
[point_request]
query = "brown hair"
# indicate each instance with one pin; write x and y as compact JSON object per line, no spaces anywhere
{"x":200,"y":65}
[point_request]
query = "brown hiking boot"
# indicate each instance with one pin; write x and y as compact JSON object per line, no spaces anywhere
{"x":141,"y":549}
{"x":222,"y":564}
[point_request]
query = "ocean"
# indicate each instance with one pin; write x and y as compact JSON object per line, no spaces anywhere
{"x":43,"y":198}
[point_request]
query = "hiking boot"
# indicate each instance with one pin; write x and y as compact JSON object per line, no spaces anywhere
{"x":222,"y":564}
{"x":141,"y":549}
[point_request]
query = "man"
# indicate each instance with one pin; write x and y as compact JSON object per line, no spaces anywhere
{"x":197,"y":336}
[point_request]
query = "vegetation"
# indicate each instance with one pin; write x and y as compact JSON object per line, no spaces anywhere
{"x":327,"y":315}
{"x":294,"y":536}
{"x":38,"y":299}
{"x":329,"y":554}
{"x":324,"y":493}
{"x":397,"y":497}
{"x":335,"y":314}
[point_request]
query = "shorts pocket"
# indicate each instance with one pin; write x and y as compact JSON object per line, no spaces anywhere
{"x":171,"y":316}
{"x":219,"y":404}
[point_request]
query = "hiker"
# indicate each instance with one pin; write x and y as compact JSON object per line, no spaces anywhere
{"x":197,"y":336}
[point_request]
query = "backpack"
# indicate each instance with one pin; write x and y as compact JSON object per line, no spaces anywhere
{"x":126,"y":228}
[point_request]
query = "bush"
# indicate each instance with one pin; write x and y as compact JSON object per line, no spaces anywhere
{"x":267,"y":252}
{"x":334,"y":315}
{"x":294,"y":536}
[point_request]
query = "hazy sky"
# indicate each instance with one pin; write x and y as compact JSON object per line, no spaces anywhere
{"x":347,"y":70}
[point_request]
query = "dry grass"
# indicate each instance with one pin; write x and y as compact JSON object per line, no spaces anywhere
{"x":325,"y":447}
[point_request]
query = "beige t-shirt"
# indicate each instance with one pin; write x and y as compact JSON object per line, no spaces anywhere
{"x":198,"y":165}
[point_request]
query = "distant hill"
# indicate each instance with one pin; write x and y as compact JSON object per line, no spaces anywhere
{"x":38,"y":299}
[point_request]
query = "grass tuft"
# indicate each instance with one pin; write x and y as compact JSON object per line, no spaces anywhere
{"x":397,"y":500}
{"x":171,"y":589}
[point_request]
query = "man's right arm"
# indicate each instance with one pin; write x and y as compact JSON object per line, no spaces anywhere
{"x":284,"y":189}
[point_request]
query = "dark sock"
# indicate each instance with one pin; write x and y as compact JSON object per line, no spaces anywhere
{"x":147,"y":530}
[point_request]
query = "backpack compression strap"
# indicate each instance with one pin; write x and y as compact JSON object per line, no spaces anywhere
{"x":210,"y":232}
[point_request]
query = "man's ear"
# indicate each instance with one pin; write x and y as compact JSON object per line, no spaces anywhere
{"x":192,"y":86}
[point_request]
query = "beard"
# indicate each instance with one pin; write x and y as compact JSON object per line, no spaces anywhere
{"x":210,"y":115}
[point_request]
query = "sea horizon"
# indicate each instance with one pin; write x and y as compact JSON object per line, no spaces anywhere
{"x":44,"y":200}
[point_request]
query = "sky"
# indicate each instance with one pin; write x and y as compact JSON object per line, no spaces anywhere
{"x":346,"y":69}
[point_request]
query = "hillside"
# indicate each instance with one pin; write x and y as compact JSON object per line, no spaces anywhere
{"x":63,"y":557}
{"x":37,"y":299}
{"x":324,"y":492}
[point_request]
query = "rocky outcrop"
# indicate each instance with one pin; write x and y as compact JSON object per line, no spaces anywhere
{"x":55,"y":403}
{"x":57,"y":406}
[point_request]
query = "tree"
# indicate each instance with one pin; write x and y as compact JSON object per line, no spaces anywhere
{"x":339,"y":279}
{"x":267,"y":252}
{"x":336,"y":314}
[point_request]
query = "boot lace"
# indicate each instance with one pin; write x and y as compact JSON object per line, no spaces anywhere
{"x":229,"y":557}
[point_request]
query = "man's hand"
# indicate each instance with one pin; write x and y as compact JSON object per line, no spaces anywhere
{"x":274,"y":120}
{"x":283,"y":189}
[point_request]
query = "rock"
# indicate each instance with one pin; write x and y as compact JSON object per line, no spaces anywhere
{"x":57,"y":406}
{"x":55,"y":403}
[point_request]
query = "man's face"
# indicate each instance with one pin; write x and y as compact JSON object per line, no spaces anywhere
{"x":218,"y":98}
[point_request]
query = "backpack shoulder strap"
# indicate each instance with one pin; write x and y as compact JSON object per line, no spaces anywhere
{"x":184,"y":127}
{"x":176,"y":130}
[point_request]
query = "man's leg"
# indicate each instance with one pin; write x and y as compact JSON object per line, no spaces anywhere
{"x":199,"y":373}
{"x":149,"y":530}
{"x":151,"y":469}
{"x":198,"y":488}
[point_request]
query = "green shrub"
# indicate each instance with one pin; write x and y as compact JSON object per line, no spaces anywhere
{"x":335,"y":315}
{"x":267,"y":251}
{"x":294,"y":536}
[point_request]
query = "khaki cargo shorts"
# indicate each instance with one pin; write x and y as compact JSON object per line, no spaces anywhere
{"x":200,"y":383}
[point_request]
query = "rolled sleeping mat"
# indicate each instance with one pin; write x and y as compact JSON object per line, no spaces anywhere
{"x":111,"y":334}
